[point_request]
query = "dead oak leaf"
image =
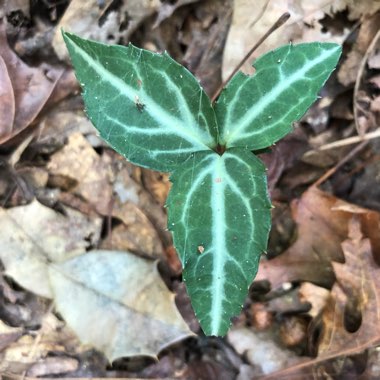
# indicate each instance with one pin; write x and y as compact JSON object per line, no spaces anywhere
{"x":322,"y":221}
{"x":358,"y":285}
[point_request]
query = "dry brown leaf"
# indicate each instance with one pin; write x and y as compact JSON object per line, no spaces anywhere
{"x":58,"y":125}
{"x":20,"y":355}
{"x":358,"y":284}
{"x":7,"y":101}
{"x":135,"y":234}
{"x":157,"y":184}
{"x":315,"y":295}
{"x":88,"y":174}
{"x":204,"y":35}
{"x":52,"y":337}
{"x":34,"y":235}
{"x":128,"y":190}
{"x":356,"y":290}
{"x":349,"y":68}
{"x":322,"y":223}
{"x":167,"y":9}
{"x":8,"y":335}
{"x":356,"y":9}
{"x":29,"y":91}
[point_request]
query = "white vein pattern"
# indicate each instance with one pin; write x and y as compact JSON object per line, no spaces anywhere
{"x":213,"y":173}
{"x":200,"y":139}
{"x":240,"y":126}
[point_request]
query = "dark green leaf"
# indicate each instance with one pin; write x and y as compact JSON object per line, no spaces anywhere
{"x":145,"y":105}
{"x":219,"y":213}
{"x":256,"y":111}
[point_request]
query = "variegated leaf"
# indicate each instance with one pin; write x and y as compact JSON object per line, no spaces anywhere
{"x":256,"y":111}
{"x":219,"y":213}
{"x":145,"y":105}
{"x":153,"y":111}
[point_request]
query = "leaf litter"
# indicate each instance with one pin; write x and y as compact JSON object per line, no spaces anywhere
{"x":314,"y":269}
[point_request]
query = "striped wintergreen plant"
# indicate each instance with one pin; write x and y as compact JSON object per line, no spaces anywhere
{"x":153,"y":111}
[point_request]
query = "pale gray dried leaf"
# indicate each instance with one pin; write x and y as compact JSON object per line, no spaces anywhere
{"x":118,"y":303}
{"x":34,"y":235}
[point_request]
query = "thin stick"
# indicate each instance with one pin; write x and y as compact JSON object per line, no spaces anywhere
{"x":281,"y":21}
{"x":345,"y":159}
{"x":349,"y":140}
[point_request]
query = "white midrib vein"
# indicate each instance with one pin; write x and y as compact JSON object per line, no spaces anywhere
{"x":240,"y":125}
{"x":155,"y":111}
{"x":219,"y":248}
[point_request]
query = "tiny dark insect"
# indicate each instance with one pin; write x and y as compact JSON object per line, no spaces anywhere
{"x":140,"y":106}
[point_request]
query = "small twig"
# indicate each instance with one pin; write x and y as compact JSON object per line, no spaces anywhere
{"x":343,"y":161}
{"x":281,"y":21}
{"x":350,"y":140}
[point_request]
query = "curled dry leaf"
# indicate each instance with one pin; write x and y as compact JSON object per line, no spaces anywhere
{"x":24,"y":89}
{"x":118,"y":303}
{"x":34,"y":235}
{"x":322,"y":221}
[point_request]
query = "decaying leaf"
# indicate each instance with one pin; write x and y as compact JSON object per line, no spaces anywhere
{"x":315,"y":295}
{"x":356,"y":9}
{"x":29,"y":349}
{"x":8,"y":335}
{"x":102,"y":20}
{"x":322,"y":223}
{"x":357,"y":290}
{"x":34,"y":235}
{"x":348,"y":70}
{"x":355,"y":293}
{"x":89,"y":173}
{"x":7,"y":100}
{"x":118,"y":303}
{"x":261,"y":351}
{"x":25,"y":89}
{"x":135,"y":234}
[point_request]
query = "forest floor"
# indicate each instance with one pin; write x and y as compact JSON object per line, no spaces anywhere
{"x":313,"y":311}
